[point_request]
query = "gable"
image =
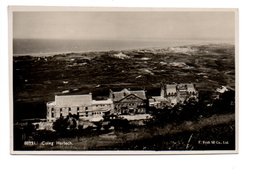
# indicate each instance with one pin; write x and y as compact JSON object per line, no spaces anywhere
{"x":131,"y":98}
{"x":118,"y":96}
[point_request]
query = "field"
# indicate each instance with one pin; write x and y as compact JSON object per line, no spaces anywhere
{"x":38,"y":78}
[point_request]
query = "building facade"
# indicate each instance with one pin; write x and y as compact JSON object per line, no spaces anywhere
{"x":80,"y":105}
{"x":158,"y":102}
{"x":127,"y":102}
{"x":100,"y":108}
{"x":172,"y":94}
{"x":178,"y":93}
{"x":64,"y":105}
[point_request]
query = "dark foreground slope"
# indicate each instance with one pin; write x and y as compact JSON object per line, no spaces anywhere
{"x":212,"y":133}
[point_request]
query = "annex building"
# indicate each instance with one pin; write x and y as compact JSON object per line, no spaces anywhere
{"x":171,"y":94}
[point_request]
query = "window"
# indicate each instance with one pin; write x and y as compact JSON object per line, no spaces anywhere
{"x":60,"y":112}
{"x":69,"y":109}
{"x":77,"y":108}
{"x":86,"y":108}
{"x":52,"y":114}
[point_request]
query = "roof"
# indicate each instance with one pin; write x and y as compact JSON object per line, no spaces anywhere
{"x":125,"y":92}
{"x":73,"y":100}
{"x":159,"y":99}
{"x":191,"y":88}
{"x":97,"y":102}
{"x":171,"y":88}
{"x":222,"y":89}
{"x":182,"y":86}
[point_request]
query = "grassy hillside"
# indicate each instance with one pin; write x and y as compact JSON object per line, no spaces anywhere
{"x":186,"y":136}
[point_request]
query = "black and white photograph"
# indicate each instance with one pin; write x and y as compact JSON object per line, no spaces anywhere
{"x":123,"y":80}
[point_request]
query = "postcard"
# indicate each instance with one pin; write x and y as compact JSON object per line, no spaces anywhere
{"x":123,"y":80}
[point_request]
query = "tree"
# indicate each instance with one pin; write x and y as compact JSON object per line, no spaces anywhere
{"x":120,"y":124}
{"x":61,"y":125}
{"x":225,"y":103}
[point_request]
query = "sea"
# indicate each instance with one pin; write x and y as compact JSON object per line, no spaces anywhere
{"x":58,"y":46}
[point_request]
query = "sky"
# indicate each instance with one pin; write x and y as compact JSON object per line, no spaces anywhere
{"x":141,"y":25}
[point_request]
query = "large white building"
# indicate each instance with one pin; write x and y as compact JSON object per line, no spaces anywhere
{"x":81,"y":105}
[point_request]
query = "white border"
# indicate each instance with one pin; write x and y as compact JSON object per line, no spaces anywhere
{"x":12,"y":9}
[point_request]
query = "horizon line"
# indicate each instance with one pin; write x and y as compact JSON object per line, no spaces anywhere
{"x":132,"y":39}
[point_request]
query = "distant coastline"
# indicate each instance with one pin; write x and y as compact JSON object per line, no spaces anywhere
{"x":50,"y":47}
